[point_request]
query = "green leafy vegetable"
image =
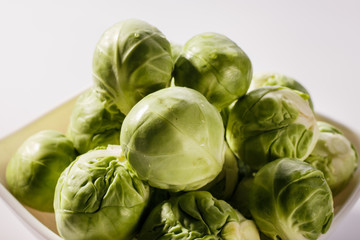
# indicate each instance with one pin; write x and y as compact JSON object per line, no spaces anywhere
{"x":34,"y":169}
{"x":99,"y":197}
{"x":215,"y":66}
{"x":290,"y":200}
{"x":95,"y":121}
{"x":131,"y":60}
{"x":197,"y":215}
{"x":174,"y":139}
{"x":271,"y":122}
{"x":335,"y":156}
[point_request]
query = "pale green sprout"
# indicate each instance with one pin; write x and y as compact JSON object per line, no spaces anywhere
{"x":131,"y":60}
{"x":95,"y":121}
{"x":100,"y":197}
{"x":34,"y":169}
{"x":271,"y":122}
{"x":335,"y":156}
{"x":216,"y":66}
{"x":290,"y":200}
{"x":197,"y":215}
{"x":174,"y":139}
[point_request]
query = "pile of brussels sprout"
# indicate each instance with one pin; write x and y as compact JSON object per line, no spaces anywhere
{"x":184,"y":142}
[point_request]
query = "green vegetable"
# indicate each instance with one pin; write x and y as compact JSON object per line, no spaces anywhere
{"x":290,"y":200}
{"x":197,"y":215}
{"x":131,"y":60}
{"x":335,"y":156}
{"x":272,"y":79}
{"x":34,"y":169}
{"x":99,"y":197}
{"x":95,"y":121}
{"x":174,"y":139}
{"x":271,"y":122}
{"x":215,"y":66}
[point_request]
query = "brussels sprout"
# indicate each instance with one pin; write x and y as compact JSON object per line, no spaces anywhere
{"x":34,"y":169}
{"x":215,"y":66}
{"x":174,"y":139}
{"x":290,"y":199}
{"x":95,"y":121}
{"x":197,"y":215}
{"x":335,"y":156}
{"x":223,"y":186}
{"x":99,"y":197}
{"x":272,"y":79}
{"x":269,"y":123}
{"x":131,"y":60}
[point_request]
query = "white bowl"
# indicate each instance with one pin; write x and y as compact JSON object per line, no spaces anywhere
{"x":43,"y":224}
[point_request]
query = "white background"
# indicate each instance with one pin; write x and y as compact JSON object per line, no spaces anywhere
{"x":46,"y":52}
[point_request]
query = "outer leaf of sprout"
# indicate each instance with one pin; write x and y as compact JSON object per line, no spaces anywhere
{"x":131,"y":60}
{"x":174,"y":139}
